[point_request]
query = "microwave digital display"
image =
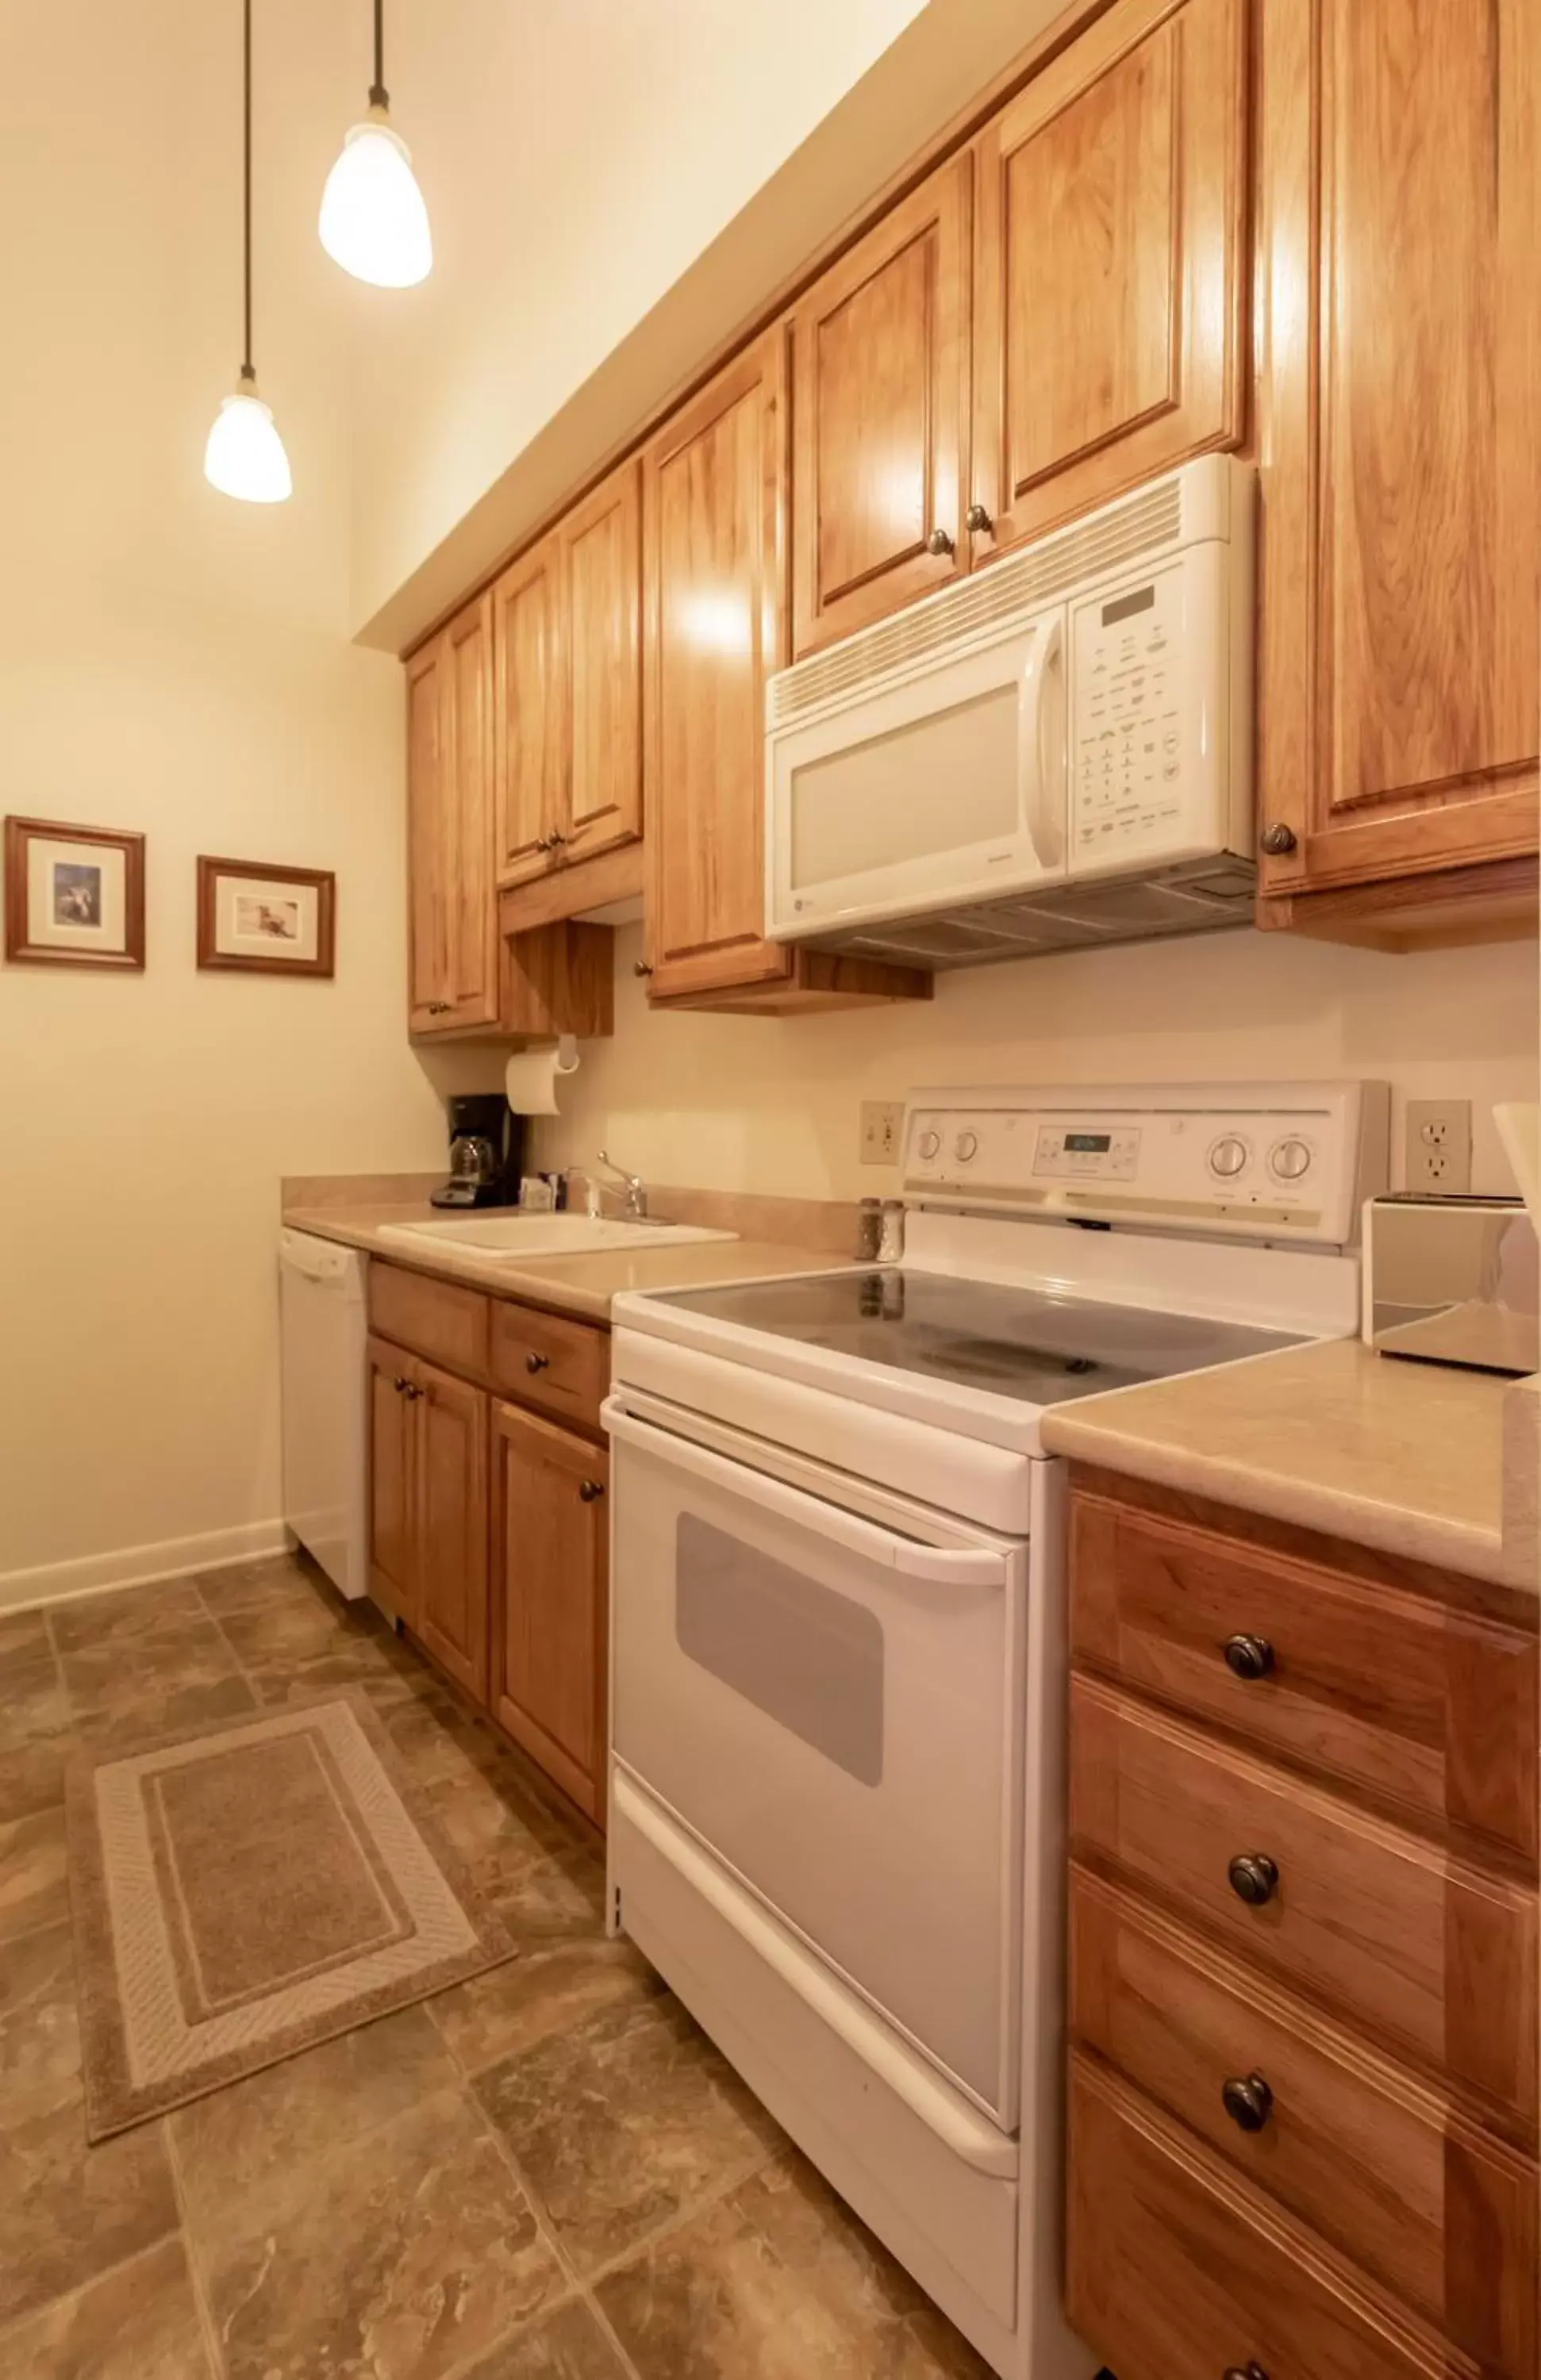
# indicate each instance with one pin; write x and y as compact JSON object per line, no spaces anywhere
{"x":1089,"y":1144}
{"x":1143,"y":599}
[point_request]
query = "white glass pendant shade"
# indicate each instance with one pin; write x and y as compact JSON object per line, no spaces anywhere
{"x":373,"y":222}
{"x":245,"y":455}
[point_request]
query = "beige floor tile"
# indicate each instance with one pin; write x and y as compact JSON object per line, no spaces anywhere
{"x":407,"y":2258}
{"x":497,"y":1843}
{"x":23,"y":1638}
{"x":40,"y":2040}
{"x":153,"y":1679}
{"x":138,"y":2322}
{"x":32,"y":1705}
{"x":34,"y":1876}
{"x":242,"y":2149}
{"x":124,"y":1614}
{"x":778,"y":2281}
{"x":623,"y":2122}
{"x":568,"y":2345}
{"x":239,"y":1585}
{"x":67,"y":2211}
{"x":292,"y":1627}
{"x":142,"y":1710}
{"x":545,"y":1991}
{"x":32,"y":1779}
{"x":363,"y":1662}
{"x":438,"y":1740}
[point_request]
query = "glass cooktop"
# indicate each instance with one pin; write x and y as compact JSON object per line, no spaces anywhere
{"x":1025,"y":1343}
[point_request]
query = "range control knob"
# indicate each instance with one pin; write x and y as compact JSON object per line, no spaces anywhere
{"x":928,"y":1143}
{"x":1228,"y":1156}
{"x":964,"y":1146}
{"x":1290,"y":1159}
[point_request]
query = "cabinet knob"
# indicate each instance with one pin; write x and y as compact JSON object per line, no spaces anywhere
{"x":640,"y":966}
{"x":938,"y":542}
{"x":440,"y":1007}
{"x":589,"y":1490}
{"x":536,"y":1364}
{"x":1254,"y":1877}
{"x":1245,"y":2371}
{"x":977,"y":519}
{"x":1248,"y":1657}
{"x":1278,"y":839}
{"x":400,"y":1386}
{"x":1248,"y":2101}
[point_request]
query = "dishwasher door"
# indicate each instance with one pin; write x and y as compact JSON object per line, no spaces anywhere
{"x":325,"y":1451}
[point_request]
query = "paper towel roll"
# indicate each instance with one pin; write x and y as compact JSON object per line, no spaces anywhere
{"x":533,"y":1074}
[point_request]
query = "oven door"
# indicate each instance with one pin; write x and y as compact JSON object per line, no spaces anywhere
{"x":824,"y":1683}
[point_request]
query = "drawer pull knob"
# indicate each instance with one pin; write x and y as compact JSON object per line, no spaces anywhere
{"x":400,"y":1386}
{"x":1248,"y":1657}
{"x":536,"y":1364}
{"x":938,"y":543}
{"x":1254,"y":1877}
{"x":1245,"y":2371}
{"x":1248,"y":2102}
{"x":590,"y":1491}
{"x":1278,"y":839}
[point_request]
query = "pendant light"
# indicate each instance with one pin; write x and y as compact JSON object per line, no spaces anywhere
{"x":373,"y":222}
{"x":245,"y":455}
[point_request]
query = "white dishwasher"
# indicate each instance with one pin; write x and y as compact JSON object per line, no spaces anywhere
{"x":326,"y":1457}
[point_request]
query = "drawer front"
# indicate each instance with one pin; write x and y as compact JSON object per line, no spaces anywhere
{"x":1440,"y":2213}
{"x":1174,"y":2273}
{"x":436,"y":1317}
{"x":1432,"y":1708}
{"x":541,"y":1359}
{"x":1437,"y":1958}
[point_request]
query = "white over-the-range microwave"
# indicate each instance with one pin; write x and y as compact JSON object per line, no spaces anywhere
{"x":1056,"y":751}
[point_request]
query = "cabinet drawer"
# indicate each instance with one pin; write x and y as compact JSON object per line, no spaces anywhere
{"x":1433,"y":1708}
{"x":544,"y":1360}
{"x":434,"y":1316}
{"x":1434,"y":1956}
{"x":1440,"y":2213}
{"x":1174,"y":2273}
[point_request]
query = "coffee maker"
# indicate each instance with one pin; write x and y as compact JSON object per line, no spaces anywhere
{"x":487,"y":1152}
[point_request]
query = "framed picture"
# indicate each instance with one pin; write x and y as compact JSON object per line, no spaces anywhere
{"x":74,"y":894}
{"x":267,"y":920}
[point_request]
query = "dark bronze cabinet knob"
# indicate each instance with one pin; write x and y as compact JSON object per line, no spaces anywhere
{"x":938,"y":543}
{"x":1278,"y":839}
{"x":1248,"y":2101}
{"x":400,"y":1386}
{"x":640,"y":966}
{"x":977,"y":519}
{"x":1254,"y":1877}
{"x":1248,"y":1657}
{"x":536,"y":1364}
{"x":1245,"y":2371}
{"x":590,"y":1491}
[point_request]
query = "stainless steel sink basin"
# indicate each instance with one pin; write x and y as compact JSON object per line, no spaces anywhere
{"x":512,"y":1236}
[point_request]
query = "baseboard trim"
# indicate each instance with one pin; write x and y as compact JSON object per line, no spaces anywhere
{"x":140,"y":1565}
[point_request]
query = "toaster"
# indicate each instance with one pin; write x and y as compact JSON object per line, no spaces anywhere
{"x":1452,"y":1281}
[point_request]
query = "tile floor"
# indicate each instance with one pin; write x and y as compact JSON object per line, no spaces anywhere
{"x":545,"y":2174}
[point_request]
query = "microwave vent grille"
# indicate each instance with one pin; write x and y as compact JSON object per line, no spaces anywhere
{"x":1142,"y":527}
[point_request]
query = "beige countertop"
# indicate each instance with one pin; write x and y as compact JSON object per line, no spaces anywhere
{"x":1407,"y":1458}
{"x":575,"y":1284}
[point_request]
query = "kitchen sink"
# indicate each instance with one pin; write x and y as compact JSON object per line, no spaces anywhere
{"x":549,"y":1235}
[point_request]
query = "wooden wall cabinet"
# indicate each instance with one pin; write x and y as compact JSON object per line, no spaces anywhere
{"x":453,"y":959}
{"x":428,"y":1507}
{"x":1400,"y":445}
{"x":550,"y":1607}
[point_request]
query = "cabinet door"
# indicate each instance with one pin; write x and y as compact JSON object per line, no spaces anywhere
{"x":550,"y":1599}
{"x":393,"y":1559}
{"x":454,"y":972}
{"x":427,"y":891}
{"x":450,"y":1419}
{"x":530,"y":672}
{"x":879,"y":352}
{"x":602,"y":547}
{"x":1399,"y":430}
{"x":714,"y":486}
{"x":1108,"y":291}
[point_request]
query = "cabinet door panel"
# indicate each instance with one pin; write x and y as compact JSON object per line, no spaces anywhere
{"x":393,"y":1559}
{"x":453,"y":961}
{"x":550,"y":1610}
{"x":602,"y":543}
{"x":714,"y":625}
{"x":1108,"y":273}
{"x":428,"y":964}
{"x":530,"y":666}
{"x":451,"y":1422}
{"x":1400,"y":435}
{"x":880,"y":366}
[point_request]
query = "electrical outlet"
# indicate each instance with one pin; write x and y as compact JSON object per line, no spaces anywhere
{"x":882,"y":1127}
{"x":1440,"y":1145}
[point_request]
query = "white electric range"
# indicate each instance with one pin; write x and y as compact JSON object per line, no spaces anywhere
{"x":838,"y":1669}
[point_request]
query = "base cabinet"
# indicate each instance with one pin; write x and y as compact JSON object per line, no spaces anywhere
{"x":551,"y":1598}
{"x":427,"y":1507}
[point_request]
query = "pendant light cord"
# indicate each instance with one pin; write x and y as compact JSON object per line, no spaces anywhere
{"x":379,"y":95}
{"x":247,"y":371}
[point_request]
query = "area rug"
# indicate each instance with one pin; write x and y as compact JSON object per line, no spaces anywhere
{"x":243,"y":1892}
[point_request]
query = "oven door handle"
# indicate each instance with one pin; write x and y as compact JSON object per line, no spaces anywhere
{"x":938,"y":1565}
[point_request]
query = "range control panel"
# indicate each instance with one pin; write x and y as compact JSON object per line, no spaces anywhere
{"x":1286,"y":1161}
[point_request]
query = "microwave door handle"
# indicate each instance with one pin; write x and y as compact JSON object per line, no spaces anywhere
{"x":937,"y":1565}
{"x":1041,"y":771}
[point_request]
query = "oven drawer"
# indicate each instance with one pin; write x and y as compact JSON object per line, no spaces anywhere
{"x":833,"y":1701}
{"x":1397,"y":1696}
{"x":1440,"y":2213}
{"x":1436,"y":1957}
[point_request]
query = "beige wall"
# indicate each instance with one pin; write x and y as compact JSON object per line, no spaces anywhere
{"x":731,"y":1102}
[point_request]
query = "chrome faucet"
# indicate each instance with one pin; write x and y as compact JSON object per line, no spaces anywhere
{"x":632,"y":1188}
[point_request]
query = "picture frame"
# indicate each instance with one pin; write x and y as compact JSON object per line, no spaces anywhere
{"x":261,"y":920}
{"x":74,"y":895}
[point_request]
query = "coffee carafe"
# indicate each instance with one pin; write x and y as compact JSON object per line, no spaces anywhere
{"x":487,"y":1150}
